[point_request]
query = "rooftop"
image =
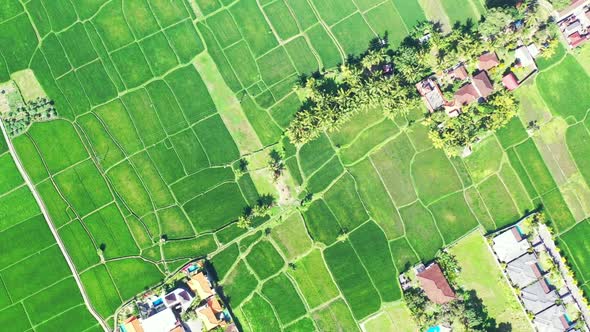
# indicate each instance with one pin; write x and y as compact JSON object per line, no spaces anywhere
{"x":510,"y":81}
{"x":163,"y":321}
{"x":466,"y":94}
{"x":430,"y":90}
{"x":435,"y":285}
{"x":488,"y":61}
{"x":524,"y":270}
{"x":483,"y":84}
{"x":510,"y":245}
{"x":553,"y":319}
{"x":199,"y":284}
{"x":538,"y":296}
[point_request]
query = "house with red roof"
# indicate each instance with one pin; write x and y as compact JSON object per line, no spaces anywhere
{"x":435,"y":285}
{"x":487,"y":61}
{"x":510,"y":81}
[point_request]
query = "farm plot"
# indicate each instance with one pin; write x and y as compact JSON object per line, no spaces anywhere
{"x":26,"y":244}
{"x":155,"y":143}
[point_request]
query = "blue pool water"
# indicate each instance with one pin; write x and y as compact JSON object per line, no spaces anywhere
{"x":433,"y":329}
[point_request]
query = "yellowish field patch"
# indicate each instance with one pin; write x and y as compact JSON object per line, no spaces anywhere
{"x":28,"y":85}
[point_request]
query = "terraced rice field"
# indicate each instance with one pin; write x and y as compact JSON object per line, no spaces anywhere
{"x":159,"y":100}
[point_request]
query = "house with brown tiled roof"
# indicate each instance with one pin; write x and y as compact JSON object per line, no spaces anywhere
{"x":459,"y":73}
{"x":482,"y":84}
{"x":435,"y":285}
{"x":209,"y":317}
{"x":466,"y":95}
{"x":487,"y":61}
{"x":200,"y":285}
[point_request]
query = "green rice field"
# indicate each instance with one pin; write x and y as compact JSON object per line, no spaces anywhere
{"x":158,"y":102}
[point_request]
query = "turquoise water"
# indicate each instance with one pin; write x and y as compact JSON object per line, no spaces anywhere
{"x":433,"y":329}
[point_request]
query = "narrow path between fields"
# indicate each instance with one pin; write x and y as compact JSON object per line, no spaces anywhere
{"x":41,"y":205}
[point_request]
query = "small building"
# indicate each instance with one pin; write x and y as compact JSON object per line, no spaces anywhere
{"x":487,"y":61}
{"x":430,"y":92}
{"x":482,"y":84}
{"x":199,"y":284}
{"x":524,"y":270}
{"x":459,"y":73}
{"x":552,"y":319}
{"x":510,"y":245}
{"x":466,"y":95}
{"x":435,"y":285}
{"x":524,"y":57}
{"x":163,"y":321}
{"x":538,"y":296}
{"x":510,"y":81}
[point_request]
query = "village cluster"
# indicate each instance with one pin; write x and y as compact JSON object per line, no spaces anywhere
{"x":188,"y":302}
{"x":534,"y":268}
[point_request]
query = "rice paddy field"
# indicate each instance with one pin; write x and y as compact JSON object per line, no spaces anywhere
{"x":158,"y":101}
{"x":38,"y":291}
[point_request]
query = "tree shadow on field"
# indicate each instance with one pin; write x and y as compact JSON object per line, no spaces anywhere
{"x":501,"y":3}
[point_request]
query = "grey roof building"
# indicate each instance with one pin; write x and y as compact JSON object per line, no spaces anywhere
{"x":538,"y":296}
{"x":510,"y":245}
{"x":524,"y":270}
{"x":553,"y":319}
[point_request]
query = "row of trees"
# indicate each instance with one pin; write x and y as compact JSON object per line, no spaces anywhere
{"x":360,"y":84}
{"x":382,"y":79}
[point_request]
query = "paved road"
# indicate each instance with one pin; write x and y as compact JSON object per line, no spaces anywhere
{"x":43,"y":208}
{"x":547,"y":239}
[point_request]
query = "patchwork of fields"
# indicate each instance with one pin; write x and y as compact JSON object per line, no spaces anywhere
{"x":38,"y":292}
{"x":159,"y":100}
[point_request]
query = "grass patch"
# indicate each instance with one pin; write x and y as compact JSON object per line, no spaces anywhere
{"x":393,"y":163}
{"x":345,"y":203}
{"x":216,"y":208}
{"x":58,"y":143}
{"x":281,"y":19}
{"x":132,"y":275}
{"x":498,"y":201}
{"x":335,"y":317}
{"x":313,"y":279}
{"x":174,"y":223}
{"x":110,"y":232}
{"x":80,"y":246}
{"x":276,"y":290}
{"x":223,"y":261}
{"x":485,"y":160}
{"x":264,"y":259}
{"x":481,"y":273}
{"x":83,"y":187}
{"x":558,"y":211}
{"x":430,"y":167}
{"x":535,"y":167}
{"x":253,"y":27}
{"x":368,"y":140}
{"x":371,"y":246}
{"x":325,"y":47}
{"x":421,"y":230}
{"x":260,"y":315}
{"x":291,"y":237}
{"x":453,"y":217}
{"x":563,"y":97}
{"x":239,"y":284}
{"x":352,"y":279}
{"x":376,"y":199}
{"x":352,"y":33}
